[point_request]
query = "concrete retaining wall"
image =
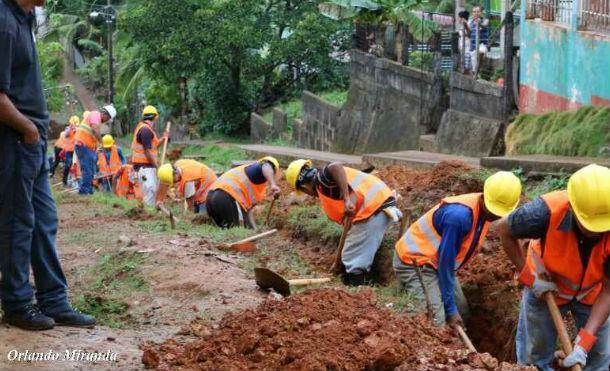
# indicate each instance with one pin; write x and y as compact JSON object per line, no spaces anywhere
{"x":318,"y":128}
{"x":260,"y":130}
{"x":474,"y":124}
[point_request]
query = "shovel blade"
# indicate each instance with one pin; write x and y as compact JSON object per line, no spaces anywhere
{"x":243,"y":246}
{"x":268,"y":279}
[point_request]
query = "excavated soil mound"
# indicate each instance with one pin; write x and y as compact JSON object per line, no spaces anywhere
{"x":421,"y":189}
{"x":318,"y":330}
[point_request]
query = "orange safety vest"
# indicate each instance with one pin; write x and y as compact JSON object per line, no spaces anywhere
{"x":115,"y":161}
{"x":370,"y":193}
{"x":128,"y":185}
{"x":85,"y":135}
{"x":559,"y":257}
{"x":69,"y":139}
{"x":236,"y":183}
{"x":137,"y":150}
{"x":193,"y":171}
{"x":422,"y":240}
{"x":61,"y":141}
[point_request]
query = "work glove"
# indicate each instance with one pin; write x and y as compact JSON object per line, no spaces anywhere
{"x":540,"y":287}
{"x":582,"y":345}
{"x":393,"y":213}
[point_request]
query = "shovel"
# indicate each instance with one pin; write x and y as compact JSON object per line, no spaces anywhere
{"x":564,"y":338}
{"x":268,"y":279}
{"x":247,"y":244}
{"x":337,"y":266}
{"x":172,"y":219}
{"x":269,"y":211}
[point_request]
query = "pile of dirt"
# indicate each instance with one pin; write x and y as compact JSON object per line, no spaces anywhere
{"x":421,"y":189}
{"x":318,"y":329}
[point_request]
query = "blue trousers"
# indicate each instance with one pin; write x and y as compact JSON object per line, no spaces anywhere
{"x":67,"y":166}
{"x":537,"y":338}
{"x":28,"y":226}
{"x":88,"y":161}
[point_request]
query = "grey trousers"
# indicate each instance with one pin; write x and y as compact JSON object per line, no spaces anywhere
{"x":407,"y":276}
{"x":362,"y":242}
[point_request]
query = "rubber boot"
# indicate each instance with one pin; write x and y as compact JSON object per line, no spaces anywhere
{"x":354,"y":279}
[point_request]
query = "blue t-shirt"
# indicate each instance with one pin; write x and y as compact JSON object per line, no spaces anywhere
{"x":107,"y":153}
{"x":453,"y":223}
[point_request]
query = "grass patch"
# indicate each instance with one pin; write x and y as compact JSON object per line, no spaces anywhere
{"x":581,"y":132}
{"x":336,"y":97}
{"x":546,"y":185}
{"x":394,"y":297}
{"x":311,"y":222}
{"x":110,"y":283}
{"x":217,"y":157}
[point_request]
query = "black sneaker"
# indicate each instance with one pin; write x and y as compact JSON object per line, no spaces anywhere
{"x":29,"y":318}
{"x":73,"y":318}
{"x":354,"y":279}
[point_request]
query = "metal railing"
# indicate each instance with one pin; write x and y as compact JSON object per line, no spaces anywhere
{"x":558,"y":11}
{"x":594,"y":15}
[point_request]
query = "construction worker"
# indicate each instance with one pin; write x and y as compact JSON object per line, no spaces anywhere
{"x":568,"y":255}
{"x":86,"y":139}
{"x":193,"y":179}
{"x":348,"y":193}
{"x":144,"y":153}
{"x":231,"y":199}
{"x":108,"y":114}
{"x":57,"y":152}
{"x":109,"y":160}
{"x":445,"y":239}
{"x":125,"y":183}
{"x":68,"y":147}
{"x":28,"y":214}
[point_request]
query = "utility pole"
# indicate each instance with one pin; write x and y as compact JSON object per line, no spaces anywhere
{"x":109,"y":23}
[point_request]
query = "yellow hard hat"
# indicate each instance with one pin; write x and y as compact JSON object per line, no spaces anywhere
{"x":273,"y":161}
{"x":150,"y":110}
{"x":589,"y":195}
{"x":107,"y":141}
{"x":74,"y":120}
{"x":166,"y":174}
{"x":294,"y":170}
{"x":501,"y":193}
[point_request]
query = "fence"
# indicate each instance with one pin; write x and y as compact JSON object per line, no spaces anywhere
{"x":594,"y":15}
{"x":558,"y":11}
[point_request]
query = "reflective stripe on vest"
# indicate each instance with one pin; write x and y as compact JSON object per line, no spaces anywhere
{"x":236,"y":183}
{"x":193,"y":171}
{"x":138,"y":154}
{"x":115,"y":161}
{"x":559,"y":257}
{"x":370,"y":193}
{"x":421,"y":241}
{"x":86,"y":136}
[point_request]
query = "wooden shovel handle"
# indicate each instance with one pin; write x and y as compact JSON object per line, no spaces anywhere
{"x":564,"y":338}
{"x":166,"y":211}
{"x":167,"y":129}
{"x":307,"y":281}
{"x":256,"y":237}
{"x":465,"y":339}
{"x":269,"y":211}
{"x":337,"y":263}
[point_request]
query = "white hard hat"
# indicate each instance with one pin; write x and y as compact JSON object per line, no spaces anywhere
{"x":111,"y":111}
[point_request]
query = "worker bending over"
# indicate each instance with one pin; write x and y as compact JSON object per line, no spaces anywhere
{"x":348,"y":193}
{"x":232,"y":197}
{"x":567,"y":255}
{"x":144,"y":153}
{"x":109,"y":160}
{"x":68,"y":147}
{"x":125,"y":183}
{"x":445,"y":239}
{"x":86,"y":139}
{"x":193,"y":179}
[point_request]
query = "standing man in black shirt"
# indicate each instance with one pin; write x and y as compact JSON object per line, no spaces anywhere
{"x":28,"y":216}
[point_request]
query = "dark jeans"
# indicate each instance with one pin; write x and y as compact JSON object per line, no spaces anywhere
{"x":223,"y":209}
{"x":67,"y":166}
{"x":56,"y":159}
{"x":87,"y":160}
{"x":28,"y":226}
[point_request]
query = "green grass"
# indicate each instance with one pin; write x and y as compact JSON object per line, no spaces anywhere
{"x":294,"y":108}
{"x":217,"y":157}
{"x":311,"y":222}
{"x":581,"y":132}
{"x":112,"y":281}
{"x":336,"y":97}
{"x":394,"y":297}
{"x":548,"y":184}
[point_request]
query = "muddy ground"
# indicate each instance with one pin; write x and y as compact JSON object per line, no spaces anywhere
{"x":190,"y":286}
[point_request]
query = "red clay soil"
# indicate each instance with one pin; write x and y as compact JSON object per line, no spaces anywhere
{"x":318,"y":330}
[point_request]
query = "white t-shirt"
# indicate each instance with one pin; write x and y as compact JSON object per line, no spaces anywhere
{"x":189,"y":189}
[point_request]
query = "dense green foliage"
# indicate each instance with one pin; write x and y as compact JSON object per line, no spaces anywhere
{"x":52,"y":64}
{"x":581,"y":132}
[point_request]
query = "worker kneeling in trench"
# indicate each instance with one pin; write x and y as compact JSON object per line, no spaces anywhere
{"x":348,"y":195}
{"x":568,"y":258}
{"x":444,"y":240}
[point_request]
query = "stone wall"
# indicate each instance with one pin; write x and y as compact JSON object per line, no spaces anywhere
{"x":317,"y":129}
{"x":260,"y":130}
{"x":386,"y":105}
{"x":474,"y":124}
